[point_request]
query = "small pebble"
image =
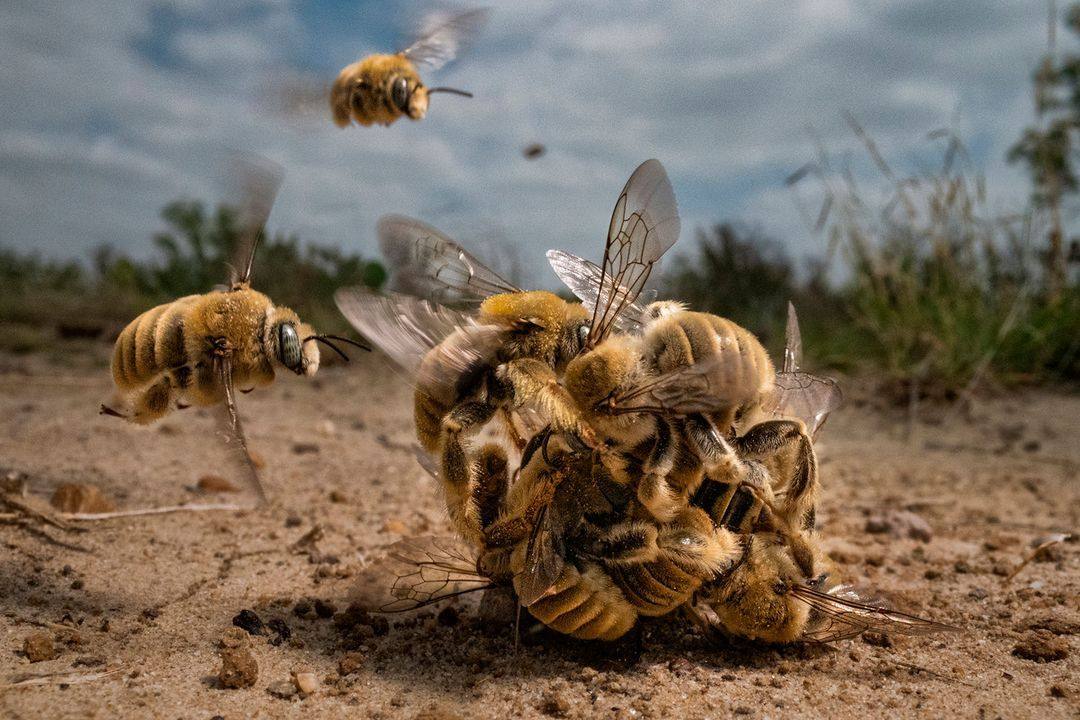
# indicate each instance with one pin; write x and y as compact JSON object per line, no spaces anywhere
{"x":1042,"y":646}
{"x":216,"y":483}
{"x":282,"y":688}
{"x":303,"y":448}
{"x":80,"y":498}
{"x":306,"y":682}
{"x":247,"y":620}
{"x":350,"y":663}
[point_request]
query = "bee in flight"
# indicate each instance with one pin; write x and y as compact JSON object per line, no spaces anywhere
{"x":384,"y":87}
{"x":200,"y":348}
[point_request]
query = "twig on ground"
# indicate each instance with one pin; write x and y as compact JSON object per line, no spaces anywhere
{"x":20,"y":507}
{"x":90,"y":517}
{"x":58,"y":678}
{"x":920,"y":669}
{"x":1054,"y":540}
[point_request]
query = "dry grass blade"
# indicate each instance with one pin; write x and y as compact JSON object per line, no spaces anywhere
{"x":90,"y":517}
{"x":18,"y":507}
{"x":1053,"y":540}
{"x":58,"y":678}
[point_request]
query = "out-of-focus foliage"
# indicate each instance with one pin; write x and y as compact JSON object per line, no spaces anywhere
{"x":194,"y":255}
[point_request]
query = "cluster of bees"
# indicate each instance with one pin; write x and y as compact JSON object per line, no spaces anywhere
{"x":640,"y":458}
{"x":609,"y":459}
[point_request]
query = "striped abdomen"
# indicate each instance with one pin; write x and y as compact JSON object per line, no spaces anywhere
{"x":685,"y":338}
{"x":585,"y":604}
{"x":151,"y":344}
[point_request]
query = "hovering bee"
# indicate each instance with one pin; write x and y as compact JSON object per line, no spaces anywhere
{"x":382,"y":88}
{"x":513,"y":350}
{"x":199,"y":348}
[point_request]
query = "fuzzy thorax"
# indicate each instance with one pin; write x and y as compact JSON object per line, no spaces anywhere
{"x":543,"y":324}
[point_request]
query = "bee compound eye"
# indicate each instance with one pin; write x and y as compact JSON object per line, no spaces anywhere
{"x":399,"y":94}
{"x":289,"y":352}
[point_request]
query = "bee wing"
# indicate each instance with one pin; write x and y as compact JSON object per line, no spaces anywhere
{"x":234,"y":431}
{"x":644,"y":224}
{"x":710,"y":385}
{"x":429,"y":264}
{"x":792,"y":341}
{"x":842,"y":613}
{"x":543,"y":562}
{"x":426,"y":570}
{"x":259,"y":180}
{"x":584,"y":279}
{"x":444,"y":37}
{"x":407,"y":329}
{"x":808,"y":397}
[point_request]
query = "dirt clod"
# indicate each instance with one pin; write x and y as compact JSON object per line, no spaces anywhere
{"x":80,"y":498}
{"x":238,"y":668}
{"x":283,"y":689}
{"x":233,"y":637}
{"x":280,"y":629}
{"x":324,"y":609}
{"x":39,"y":646}
{"x":555,"y":704}
{"x":395,"y":526}
{"x":216,"y":483}
{"x":877,"y":639}
{"x":900,"y":524}
{"x":1042,"y":646}
{"x":449,"y":616}
{"x":350,"y":663}
{"x":248,"y":621}
{"x":305,"y":448}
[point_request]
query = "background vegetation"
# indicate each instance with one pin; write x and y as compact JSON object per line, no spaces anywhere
{"x":925,"y":289}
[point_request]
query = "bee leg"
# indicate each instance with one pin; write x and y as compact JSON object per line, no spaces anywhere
{"x":492,"y":482}
{"x":511,"y":429}
{"x":714,"y":632}
{"x":653,"y":490}
{"x":787,"y":451}
{"x":458,"y":474}
{"x":508,"y":531}
{"x":533,"y":381}
{"x":624,"y":543}
{"x":153,"y":402}
{"x":106,"y":410}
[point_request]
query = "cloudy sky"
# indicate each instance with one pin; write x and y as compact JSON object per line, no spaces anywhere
{"x":111,"y":108}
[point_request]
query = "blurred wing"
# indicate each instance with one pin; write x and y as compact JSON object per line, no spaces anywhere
{"x":807,"y":397}
{"x":427,"y":570}
{"x":543,"y":563}
{"x":234,"y":431}
{"x":841,"y":614}
{"x":708,"y":386}
{"x":407,"y":329}
{"x":792,"y":341}
{"x":644,"y":224}
{"x":445,"y":37}
{"x":584,"y":278}
{"x":258,"y":181}
{"x":428,"y":264}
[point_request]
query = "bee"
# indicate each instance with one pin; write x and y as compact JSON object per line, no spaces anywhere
{"x":513,"y":350}
{"x":200,"y":348}
{"x":384,"y":87}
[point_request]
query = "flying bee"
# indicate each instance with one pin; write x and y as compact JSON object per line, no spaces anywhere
{"x":513,"y":350}
{"x":382,"y":88}
{"x":200,"y":348}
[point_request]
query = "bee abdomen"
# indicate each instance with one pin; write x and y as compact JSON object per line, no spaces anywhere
{"x":150,"y":344}
{"x":586,"y":605}
{"x":656,"y":588}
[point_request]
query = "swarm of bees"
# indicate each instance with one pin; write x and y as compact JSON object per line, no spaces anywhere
{"x":614,"y":458}
{"x":199,"y":349}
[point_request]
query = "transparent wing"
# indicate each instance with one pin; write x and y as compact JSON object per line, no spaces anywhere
{"x":444,"y":37}
{"x":543,"y":562}
{"x":427,"y":570}
{"x":644,"y":224}
{"x":408,"y":329}
{"x":258,"y":181}
{"x":841,"y":613}
{"x":584,"y":278}
{"x":708,"y":386}
{"x":792,"y":341}
{"x":807,"y":397}
{"x":428,"y":264}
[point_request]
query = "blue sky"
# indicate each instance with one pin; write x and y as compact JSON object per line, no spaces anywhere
{"x":109,"y":109}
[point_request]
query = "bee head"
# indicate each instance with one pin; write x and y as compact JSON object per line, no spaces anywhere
{"x":753,"y":600}
{"x":287,"y":342}
{"x":409,"y":96}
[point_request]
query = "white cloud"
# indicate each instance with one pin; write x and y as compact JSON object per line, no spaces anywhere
{"x":97,"y":135}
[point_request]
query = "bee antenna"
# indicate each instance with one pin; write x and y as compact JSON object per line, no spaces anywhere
{"x":327,"y":343}
{"x":362,"y":346}
{"x":453,"y":91}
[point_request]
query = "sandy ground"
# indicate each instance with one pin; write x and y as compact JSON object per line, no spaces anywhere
{"x":152,"y":596}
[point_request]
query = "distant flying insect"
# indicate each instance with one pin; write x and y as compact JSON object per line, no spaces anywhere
{"x":532,"y":151}
{"x":199,"y":348}
{"x":382,"y":88}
